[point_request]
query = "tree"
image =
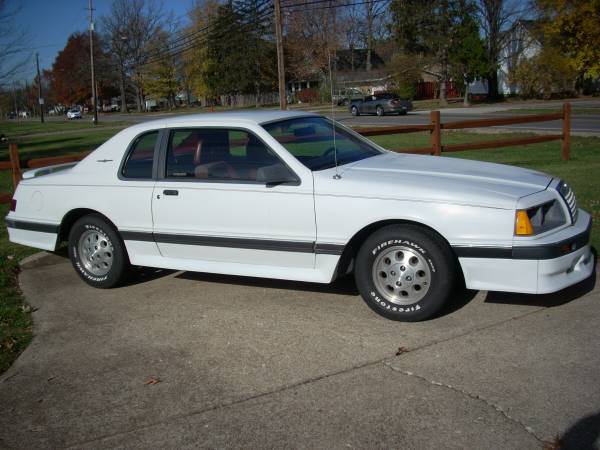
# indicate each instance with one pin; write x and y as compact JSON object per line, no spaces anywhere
{"x":114,"y":27}
{"x":195,"y":61}
{"x":13,"y":45}
{"x":496,"y":17}
{"x":131,"y":27}
{"x":467,"y":55}
{"x":547,"y":73}
{"x":426,"y":28}
{"x":160,"y":77}
{"x":573,"y":26}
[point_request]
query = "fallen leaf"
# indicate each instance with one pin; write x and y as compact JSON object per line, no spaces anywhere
{"x":553,"y":444}
{"x":151,"y":381}
{"x":402,"y":350}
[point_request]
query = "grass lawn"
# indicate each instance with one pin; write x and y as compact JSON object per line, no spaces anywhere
{"x":15,"y":320}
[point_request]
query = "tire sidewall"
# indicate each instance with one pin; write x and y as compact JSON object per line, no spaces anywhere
{"x":440,"y":267}
{"x":120,"y":262}
{"x":379,"y":111}
{"x":354,"y":110}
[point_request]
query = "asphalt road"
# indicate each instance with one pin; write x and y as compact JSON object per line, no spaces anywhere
{"x":184,"y":360}
{"x":580,"y":124}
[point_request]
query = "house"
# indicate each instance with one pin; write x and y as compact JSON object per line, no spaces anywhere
{"x":522,"y":42}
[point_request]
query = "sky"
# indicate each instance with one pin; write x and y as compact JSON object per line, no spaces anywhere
{"x":49,"y":23}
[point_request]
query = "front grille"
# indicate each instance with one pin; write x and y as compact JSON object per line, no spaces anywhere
{"x":569,"y":197}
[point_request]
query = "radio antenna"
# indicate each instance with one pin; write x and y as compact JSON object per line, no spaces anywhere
{"x":337,"y":175}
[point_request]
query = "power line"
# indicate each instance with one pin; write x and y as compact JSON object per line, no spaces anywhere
{"x":203,"y":39}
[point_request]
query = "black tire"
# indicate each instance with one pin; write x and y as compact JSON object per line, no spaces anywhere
{"x":119,"y":260}
{"x":432,"y":251}
{"x":354,"y":110}
{"x":379,"y":111}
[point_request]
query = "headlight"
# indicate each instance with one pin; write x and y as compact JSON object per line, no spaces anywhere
{"x":538,"y":219}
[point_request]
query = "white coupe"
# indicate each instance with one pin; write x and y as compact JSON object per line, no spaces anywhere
{"x":289,"y":195}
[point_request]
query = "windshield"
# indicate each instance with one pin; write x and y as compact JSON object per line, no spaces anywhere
{"x":310,"y":140}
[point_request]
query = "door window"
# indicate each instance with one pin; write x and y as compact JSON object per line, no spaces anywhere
{"x":219,"y":154}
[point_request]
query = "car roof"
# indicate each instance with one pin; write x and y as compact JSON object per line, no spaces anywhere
{"x":229,"y":117}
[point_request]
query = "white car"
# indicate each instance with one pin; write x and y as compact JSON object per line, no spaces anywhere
{"x":276,"y":194}
{"x":73,"y":114}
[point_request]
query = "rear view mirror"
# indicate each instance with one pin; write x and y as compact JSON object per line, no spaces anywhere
{"x":275,"y":174}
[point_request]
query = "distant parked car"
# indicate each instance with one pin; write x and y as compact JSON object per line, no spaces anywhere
{"x":73,"y":114}
{"x":380,"y":104}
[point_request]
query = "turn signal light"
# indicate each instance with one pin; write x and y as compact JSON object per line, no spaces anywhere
{"x":523,"y":225}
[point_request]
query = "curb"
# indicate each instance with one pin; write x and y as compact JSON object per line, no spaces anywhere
{"x":38,"y":260}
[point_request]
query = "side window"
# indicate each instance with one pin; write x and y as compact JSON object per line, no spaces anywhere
{"x":219,"y":154}
{"x":141,"y":157}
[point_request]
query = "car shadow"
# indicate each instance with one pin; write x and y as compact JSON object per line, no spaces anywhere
{"x":549,"y":300}
{"x":582,"y":435}
{"x":137,"y":274}
{"x":342,"y":286}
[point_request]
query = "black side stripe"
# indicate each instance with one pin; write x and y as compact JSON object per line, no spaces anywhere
{"x":32,"y":226}
{"x":254,"y":244}
{"x":536,"y":252}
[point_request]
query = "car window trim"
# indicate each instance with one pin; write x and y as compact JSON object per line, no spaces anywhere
{"x":162,"y":169}
{"x":155,"y":156}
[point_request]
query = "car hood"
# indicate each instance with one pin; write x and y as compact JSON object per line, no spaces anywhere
{"x":434,"y":178}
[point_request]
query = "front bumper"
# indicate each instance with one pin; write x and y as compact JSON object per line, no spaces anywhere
{"x":549,"y":265}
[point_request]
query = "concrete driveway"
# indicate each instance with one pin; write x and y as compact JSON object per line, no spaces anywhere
{"x":183,"y":360}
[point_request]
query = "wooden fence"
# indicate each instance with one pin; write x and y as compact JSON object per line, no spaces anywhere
{"x":435,"y":127}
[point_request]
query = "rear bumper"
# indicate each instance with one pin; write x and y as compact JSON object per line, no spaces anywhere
{"x":540,"y":268}
{"x":32,"y":234}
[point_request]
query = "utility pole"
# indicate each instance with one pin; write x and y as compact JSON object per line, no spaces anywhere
{"x":280,"y":62}
{"x":40,"y":98}
{"x":94,"y":96}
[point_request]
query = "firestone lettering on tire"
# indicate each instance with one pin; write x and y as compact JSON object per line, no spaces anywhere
{"x":392,"y":307}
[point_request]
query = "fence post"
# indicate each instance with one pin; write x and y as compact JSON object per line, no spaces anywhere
{"x":13,"y":153}
{"x":566,"y":131}
{"x":436,"y":133}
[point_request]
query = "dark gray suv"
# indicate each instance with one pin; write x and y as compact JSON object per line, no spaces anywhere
{"x":380,"y":104}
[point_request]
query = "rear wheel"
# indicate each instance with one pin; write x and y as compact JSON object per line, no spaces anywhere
{"x":354,"y":110}
{"x":405,"y":272}
{"x":97,"y":252}
{"x":379,"y":111}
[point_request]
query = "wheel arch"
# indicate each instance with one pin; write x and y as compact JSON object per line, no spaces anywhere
{"x":73,"y":216}
{"x":346,"y":262}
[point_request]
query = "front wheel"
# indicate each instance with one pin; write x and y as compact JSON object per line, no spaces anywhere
{"x":405,"y":272}
{"x":97,"y":252}
{"x":355,"y":112}
{"x":379,"y":111}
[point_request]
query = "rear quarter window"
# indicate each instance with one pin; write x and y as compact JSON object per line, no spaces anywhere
{"x":140,"y":158}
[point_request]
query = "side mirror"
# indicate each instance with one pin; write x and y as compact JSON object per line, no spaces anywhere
{"x":275,"y":175}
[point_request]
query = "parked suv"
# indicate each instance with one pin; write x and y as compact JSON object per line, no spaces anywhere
{"x":380,"y":104}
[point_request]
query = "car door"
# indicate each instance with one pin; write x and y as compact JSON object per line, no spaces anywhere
{"x":212,"y":202}
{"x":368,"y":105}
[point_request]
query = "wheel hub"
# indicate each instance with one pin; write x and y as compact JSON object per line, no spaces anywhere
{"x":95,"y":252}
{"x":401,"y":275}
